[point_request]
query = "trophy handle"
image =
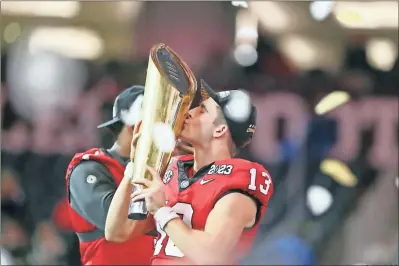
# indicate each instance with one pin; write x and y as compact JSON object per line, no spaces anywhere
{"x":137,"y":210}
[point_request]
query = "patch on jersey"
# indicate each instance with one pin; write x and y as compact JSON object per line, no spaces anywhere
{"x":167,"y":176}
{"x":203,"y":181}
{"x":222,"y":169}
{"x":91,"y":179}
{"x":184,"y":184}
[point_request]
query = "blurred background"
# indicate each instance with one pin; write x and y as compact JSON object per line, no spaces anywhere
{"x":324,"y":76}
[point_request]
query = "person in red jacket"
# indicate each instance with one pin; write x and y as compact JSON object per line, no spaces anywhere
{"x":92,"y":178}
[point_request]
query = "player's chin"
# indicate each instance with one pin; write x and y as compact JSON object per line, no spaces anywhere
{"x":185,"y":135}
{"x":184,"y":131}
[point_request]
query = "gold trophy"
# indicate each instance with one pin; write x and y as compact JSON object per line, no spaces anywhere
{"x":170,"y":88}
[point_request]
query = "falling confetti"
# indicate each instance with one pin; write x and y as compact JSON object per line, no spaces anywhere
{"x":239,"y":106}
{"x":332,"y":101}
{"x":133,"y":114}
{"x":319,"y":199}
{"x":164,"y":137}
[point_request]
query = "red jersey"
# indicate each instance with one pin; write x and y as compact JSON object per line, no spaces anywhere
{"x":194,"y":196}
{"x":99,"y":251}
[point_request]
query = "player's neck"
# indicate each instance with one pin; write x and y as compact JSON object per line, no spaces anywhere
{"x":120,"y":151}
{"x":204,"y":157}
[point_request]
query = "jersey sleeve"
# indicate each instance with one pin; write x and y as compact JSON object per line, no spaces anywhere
{"x":251,"y":179}
{"x":92,"y":188}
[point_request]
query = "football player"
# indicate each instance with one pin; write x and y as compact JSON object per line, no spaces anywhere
{"x":92,"y":178}
{"x":208,"y":205}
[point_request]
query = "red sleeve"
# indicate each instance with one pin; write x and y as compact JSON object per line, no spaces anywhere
{"x":60,"y":215}
{"x":252,"y":179}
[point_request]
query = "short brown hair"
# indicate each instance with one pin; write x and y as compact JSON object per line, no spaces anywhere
{"x":220,"y":119}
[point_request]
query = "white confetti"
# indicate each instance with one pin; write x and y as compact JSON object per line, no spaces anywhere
{"x":164,"y":137}
{"x":239,"y":106}
{"x":132,"y":116}
{"x":319,"y":199}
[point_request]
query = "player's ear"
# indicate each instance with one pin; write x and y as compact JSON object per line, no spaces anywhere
{"x":220,"y":130}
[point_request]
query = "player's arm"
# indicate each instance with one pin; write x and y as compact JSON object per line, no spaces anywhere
{"x":118,"y":228}
{"x":215,"y":245}
{"x":91,"y":189}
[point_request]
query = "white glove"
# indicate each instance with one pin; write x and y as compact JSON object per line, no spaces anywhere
{"x":129,"y":171}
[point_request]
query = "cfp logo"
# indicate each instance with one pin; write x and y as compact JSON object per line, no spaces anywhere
{"x":251,"y":128}
{"x":224,"y":94}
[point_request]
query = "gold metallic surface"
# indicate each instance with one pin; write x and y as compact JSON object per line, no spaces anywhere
{"x":163,"y":103}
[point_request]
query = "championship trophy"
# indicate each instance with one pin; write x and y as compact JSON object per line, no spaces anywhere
{"x":170,"y":88}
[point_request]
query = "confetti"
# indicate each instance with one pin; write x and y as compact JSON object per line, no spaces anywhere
{"x":133,"y":114}
{"x":239,"y":106}
{"x":163,"y":137}
{"x":319,"y":199}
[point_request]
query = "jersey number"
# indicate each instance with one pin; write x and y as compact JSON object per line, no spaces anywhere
{"x":186,"y":210}
{"x":262,"y":188}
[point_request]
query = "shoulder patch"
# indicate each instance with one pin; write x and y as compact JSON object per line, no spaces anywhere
{"x":91,"y":179}
{"x":221,"y":169}
{"x":167,"y":176}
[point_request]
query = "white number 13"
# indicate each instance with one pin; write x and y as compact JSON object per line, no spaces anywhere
{"x":263,"y":188}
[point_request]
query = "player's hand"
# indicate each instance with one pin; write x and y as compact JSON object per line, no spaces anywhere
{"x":135,"y":139}
{"x":154,"y":194}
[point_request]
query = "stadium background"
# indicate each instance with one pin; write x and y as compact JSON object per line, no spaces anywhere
{"x":64,"y":62}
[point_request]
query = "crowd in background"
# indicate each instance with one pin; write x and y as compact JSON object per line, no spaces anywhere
{"x":35,"y":153}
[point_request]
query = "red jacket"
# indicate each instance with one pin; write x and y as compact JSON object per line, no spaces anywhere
{"x":136,"y":251}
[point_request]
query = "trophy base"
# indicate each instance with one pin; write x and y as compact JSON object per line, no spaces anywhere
{"x":137,"y":210}
{"x":137,"y":216}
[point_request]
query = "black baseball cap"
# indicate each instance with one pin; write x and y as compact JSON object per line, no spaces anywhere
{"x":241,"y":131}
{"x":123,"y":102}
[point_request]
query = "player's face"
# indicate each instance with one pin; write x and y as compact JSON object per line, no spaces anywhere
{"x":199,"y":125}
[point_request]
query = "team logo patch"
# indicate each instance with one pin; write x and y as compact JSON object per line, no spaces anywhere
{"x":91,"y":179}
{"x":222,"y":169}
{"x":167,"y":176}
{"x":251,"y":128}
